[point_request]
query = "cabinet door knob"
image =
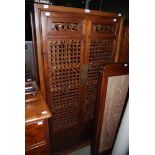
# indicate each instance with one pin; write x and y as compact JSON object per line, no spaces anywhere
{"x":40,"y":123}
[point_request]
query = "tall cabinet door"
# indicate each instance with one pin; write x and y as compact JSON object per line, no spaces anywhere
{"x":63,"y":39}
{"x":102,"y":41}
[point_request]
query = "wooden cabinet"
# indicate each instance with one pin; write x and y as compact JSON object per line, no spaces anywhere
{"x":72,"y":46}
{"x":36,"y":127}
{"x":36,"y":138}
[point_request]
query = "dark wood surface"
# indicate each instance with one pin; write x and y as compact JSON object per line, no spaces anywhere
{"x":36,"y":125}
{"x":124,"y":47}
{"x":35,"y":133}
{"x":111,"y":70}
{"x":72,"y":46}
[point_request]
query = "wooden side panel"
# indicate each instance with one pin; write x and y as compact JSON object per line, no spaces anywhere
{"x":111,"y":100}
{"x":124,"y":48}
{"x":116,"y":93}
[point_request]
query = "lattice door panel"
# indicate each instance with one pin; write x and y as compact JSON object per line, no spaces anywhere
{"x":92,"y":74}
{"x":63,"y":44}
{"x":64,"y":52}
{"x":65,"y":108}
{"x":90,"y":102}
{"x":64,"y":78}
{"x":102,"y":39}
{"x":101,"y":51}
{"x":64,"y":73}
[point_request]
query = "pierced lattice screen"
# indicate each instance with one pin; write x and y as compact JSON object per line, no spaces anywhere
{"x":64,"y":68}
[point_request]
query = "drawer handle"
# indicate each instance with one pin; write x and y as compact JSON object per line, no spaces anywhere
{"x":40,"y":123}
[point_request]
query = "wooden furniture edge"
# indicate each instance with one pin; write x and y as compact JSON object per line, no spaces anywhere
{"x":112,"y":68}
{"x":75,"y":10}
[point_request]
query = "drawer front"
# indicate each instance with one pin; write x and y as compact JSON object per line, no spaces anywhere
{"x":35,"y":133}
{"x":40,"y":150}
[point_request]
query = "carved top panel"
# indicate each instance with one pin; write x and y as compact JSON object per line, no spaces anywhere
{"x":60,"y":26}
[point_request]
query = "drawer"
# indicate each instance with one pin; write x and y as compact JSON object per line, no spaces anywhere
{"x":35,"y":133}
{"x":39,"y":150}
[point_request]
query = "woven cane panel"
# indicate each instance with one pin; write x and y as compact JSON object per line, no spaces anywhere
{"x":64,"y":73}
{"x":101,"y":51}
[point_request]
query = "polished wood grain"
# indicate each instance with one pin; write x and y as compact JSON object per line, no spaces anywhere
{"x":36,"y":125}
{"x":123,"y":56}
{"x":40,"y":149}
{"x":38,"y":40}
{"x":118,"y":40}
{"x":108,"y":114}
{"x":34,"y":49}
{"x":36,"y":108}
{"x":35,"y":133}
{"x":72,"y":46}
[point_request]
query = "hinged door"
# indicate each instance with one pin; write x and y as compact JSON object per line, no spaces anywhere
{"x":102,"y":43}
{"x":62,"y":35}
